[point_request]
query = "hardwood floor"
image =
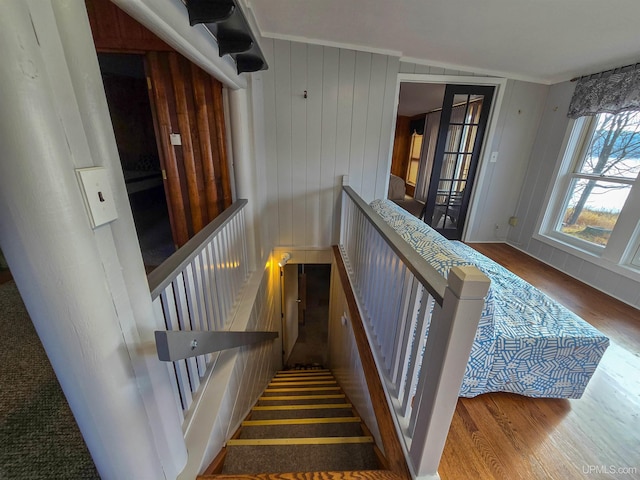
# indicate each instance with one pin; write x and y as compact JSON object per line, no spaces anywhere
{"x":508,"y":436}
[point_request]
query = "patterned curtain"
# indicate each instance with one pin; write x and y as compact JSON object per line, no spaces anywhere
{"x":606,"y":93}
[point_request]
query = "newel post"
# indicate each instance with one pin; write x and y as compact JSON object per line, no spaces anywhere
{"x":451,"y":335}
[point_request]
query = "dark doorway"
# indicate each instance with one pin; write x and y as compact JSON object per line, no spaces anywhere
{"x":125,"y":85}
{"x":311,"y":347}
{"x":465,"y":112}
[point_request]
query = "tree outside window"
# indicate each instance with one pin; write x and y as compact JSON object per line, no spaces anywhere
{"x":604,"y":174}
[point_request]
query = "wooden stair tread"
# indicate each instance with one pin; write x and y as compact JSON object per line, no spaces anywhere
{"x":268,"y":447}
{"x":300,"y":389}
{"x":351,"y":475}
{"x":273,"y":398}
{"x":301,"y":421}
{"x":299,"y":441}
{"x":316,"y":406}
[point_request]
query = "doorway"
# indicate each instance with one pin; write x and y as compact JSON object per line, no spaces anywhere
{"x":309,"y":317}
{"x":125,"y":85}
{"x":440,"y":131}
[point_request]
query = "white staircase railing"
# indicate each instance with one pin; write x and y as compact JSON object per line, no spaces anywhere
{"x":401,"y":298}
{"x":197,"y":288}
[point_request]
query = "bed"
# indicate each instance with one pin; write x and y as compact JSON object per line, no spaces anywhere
{"x":526,"y":342}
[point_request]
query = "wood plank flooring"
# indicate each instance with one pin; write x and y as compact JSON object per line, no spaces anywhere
{"x":508,"y":436}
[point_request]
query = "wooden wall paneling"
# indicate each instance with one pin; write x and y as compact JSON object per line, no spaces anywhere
{"x":298,"y":141}
{"x":195,"y":136}
{"x":314,"y":143}
{"x":407,"y":67}
{"x":359,"y":121}
{"x":386,"y":128}
{"x":175,"y":128}
{"x":375,"y":104}
{"x":115,"y":31}
{"x":173,"y":221}
{"x":269,"y":92}
{"x":215,"y":148}
{"x":282,"y":66}
{"x":346,"y":79}
{"x":184,"y":128}
{"x":401,"y":147}
{"x":206,"y":140}
{"x":329,"y":142}
{"x":168,"y":154}
{"x":221,"y":159}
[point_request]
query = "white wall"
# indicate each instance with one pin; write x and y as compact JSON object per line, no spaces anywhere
{"x":498,"y":184}
{"x":344,"y":358}
{"x":343,"y":127}
{"x":85,"y":289}
{"x":539,"y":178}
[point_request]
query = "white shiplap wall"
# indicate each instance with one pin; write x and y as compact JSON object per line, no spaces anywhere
{"x":539,"y":178}
{"x":343,"y":127}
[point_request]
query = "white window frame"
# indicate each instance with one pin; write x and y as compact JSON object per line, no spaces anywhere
{"x":622,"y":252}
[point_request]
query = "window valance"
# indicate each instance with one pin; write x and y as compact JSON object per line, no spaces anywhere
{"x":612,"y":92}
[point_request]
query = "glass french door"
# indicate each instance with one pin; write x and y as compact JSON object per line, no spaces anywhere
{"x":465,"y":112}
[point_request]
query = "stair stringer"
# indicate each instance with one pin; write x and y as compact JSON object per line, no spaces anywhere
{"x":344,"y":359}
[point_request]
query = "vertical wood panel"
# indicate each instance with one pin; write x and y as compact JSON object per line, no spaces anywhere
{"x":184,"y":128}
{"x":330,"y":128}
{"x":270,"y":140}
{"x":401,"y":147}
{"x":377,"y":83}
{"x":386,"y":128}
{"x":169,"y":158}
{"x":314,"y":143}
{"x":221,"y":159}
{"x":361,"y":87}
{"x":407,"y":67}
{"x":189,"y":101}
{"x":200,"y":81}
{"x":282,"y":65}
{"x":298,"y":141}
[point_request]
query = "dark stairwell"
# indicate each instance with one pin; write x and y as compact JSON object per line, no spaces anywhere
{"x":303,"y":426}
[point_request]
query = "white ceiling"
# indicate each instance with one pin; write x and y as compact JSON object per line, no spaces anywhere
{"x":418,"y":98}
{"x":544,"y":41}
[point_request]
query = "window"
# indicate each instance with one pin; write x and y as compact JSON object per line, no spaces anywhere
{"x":592,"y":207}
{"x":602,"y":178}
{"x":414,"y":158}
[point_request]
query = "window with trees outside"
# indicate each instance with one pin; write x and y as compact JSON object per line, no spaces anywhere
{"x":594,"y":209}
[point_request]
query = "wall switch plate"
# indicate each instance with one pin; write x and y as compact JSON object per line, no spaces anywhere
{"x":175,"y":138}
{"x":96,"y":192}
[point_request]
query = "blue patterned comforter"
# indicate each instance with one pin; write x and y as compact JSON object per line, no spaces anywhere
{"x":526,"y":342}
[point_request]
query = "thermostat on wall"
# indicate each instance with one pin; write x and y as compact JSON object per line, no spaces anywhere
{"x":96,"y":192}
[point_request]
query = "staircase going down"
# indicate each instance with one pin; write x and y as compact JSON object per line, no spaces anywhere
{"x":302,"y":428}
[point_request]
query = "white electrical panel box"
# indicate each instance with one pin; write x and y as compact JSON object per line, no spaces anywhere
{"x":96,"y":192}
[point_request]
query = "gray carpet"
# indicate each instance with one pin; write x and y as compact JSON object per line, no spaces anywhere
{"x":39,"y":438}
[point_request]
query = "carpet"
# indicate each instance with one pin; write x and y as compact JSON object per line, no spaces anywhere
{"x":39,"y":438}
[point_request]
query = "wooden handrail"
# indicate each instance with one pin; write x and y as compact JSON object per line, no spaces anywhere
{"x":391,"y":443}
